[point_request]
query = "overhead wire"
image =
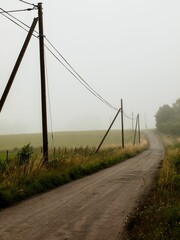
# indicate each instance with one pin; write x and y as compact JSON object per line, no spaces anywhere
{"x":3,"y":13}
{"x":19,"y":10}
{"x":71,"y":70}
{"x":27,"y":3}
{"x":11,"y":17}
{"x":80,"y":79}
{"x":126,"y":116}
{"x":82,"y":82}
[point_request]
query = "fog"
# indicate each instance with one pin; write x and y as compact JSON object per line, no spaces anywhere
{"x":126,"y":50}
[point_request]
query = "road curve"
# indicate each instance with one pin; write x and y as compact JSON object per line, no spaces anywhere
{"x":92,"y":208}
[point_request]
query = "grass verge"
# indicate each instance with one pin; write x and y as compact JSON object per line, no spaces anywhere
{"x":19,"y":181}
{"x":158,"y":217}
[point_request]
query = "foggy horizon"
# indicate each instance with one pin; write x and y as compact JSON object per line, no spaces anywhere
{"x":126,"y":50}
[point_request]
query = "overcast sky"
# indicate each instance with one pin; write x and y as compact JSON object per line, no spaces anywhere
{"x":124,"y":49}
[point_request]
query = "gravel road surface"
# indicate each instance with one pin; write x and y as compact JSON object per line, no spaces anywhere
{"x":92,"y":208}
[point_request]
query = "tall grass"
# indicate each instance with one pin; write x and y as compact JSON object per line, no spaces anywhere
{"x":159,"y":216}
{"x":19,"y":181}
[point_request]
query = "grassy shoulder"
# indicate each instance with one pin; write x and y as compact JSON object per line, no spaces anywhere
{"x":19,"y":181}
{"x":158,"y":217}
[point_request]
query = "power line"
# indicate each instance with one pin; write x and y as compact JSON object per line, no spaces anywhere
{"x":20,"y":10}
{"x":28,"y":3}
{"x":16,"y":19}
{"x":85,"y":85}
{"x":13,"y":21}
{"x":72,"y":70}
{"x":81,"y":80}
{"x":126,"y":116}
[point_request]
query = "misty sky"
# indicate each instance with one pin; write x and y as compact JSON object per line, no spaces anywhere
{"x":124,"y":49}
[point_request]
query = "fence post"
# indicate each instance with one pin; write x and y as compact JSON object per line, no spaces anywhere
{"x":54,"y":152}
{"x":7,"y":155}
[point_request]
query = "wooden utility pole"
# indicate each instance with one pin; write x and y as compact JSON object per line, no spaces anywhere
{"x":17,"y":64}
{"x":132,"y":121}
{"x":107,"y":131}
{"x":135,"y":131}
{"x":137,"y":126}
{"x":122,"y":123}
{"x":139,"y":133}
{"x":43,"y":84}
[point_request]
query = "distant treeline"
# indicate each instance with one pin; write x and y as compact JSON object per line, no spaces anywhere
{"x":168,"y":118}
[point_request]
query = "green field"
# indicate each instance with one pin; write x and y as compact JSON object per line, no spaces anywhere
{"x":65,"y":139}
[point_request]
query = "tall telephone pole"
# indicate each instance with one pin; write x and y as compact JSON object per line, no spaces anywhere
{"x":43,"y":84}
{"x":122,"y":123}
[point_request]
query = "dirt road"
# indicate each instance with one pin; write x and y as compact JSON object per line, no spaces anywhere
{"x":92,"y":208}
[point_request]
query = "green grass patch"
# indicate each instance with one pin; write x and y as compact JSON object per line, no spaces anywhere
{"x":158,"y":217}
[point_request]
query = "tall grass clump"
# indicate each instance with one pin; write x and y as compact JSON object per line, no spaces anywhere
{"x":158,"y":218}
{"x":26,"y":175}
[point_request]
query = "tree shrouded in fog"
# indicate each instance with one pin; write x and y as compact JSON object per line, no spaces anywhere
{"x":168,"y":118}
